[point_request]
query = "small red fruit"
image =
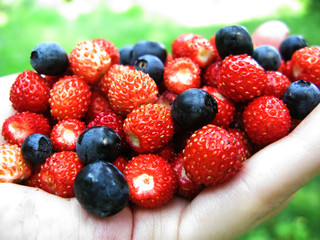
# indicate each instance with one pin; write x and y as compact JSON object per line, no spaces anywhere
{"x":110,"y":48}
{"x":65,"y":133}
{"x":181,"y":74}
{"x":266,"y":119}
{"x":70,"y":98}
{"x":58,"y":172}
{"x":148,"y":128}
{"x":152,"y":181}
{"x":20,"y":125}
{"x":30,"y":92}
{"x":13,"y":168}
{"x":89,"y":61}
{"x":212,"y":156}
{"x":241,"y":78}
{"x":276,"y":85}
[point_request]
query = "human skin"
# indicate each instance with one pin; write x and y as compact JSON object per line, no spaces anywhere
{"x":262,"y":189}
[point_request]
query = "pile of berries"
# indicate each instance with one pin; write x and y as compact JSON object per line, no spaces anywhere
{"x":142,"y":124}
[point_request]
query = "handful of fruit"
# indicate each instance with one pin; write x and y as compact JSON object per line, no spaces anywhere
{"x":140,"y":124}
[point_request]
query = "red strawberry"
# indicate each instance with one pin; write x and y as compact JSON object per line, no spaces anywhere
{"x":211,"y":74}
{"x":241,"y":136}
{"x":58,"y":172}
{"x":181,"y":74}
{"x":34,"y":179}
{"x":212,"y":40}
{"x":166,"y":98}
{"x":89,"y":61}
{"x":110,"y":119}
{"x":108,"y":77}
{"x":152,"y":181}
{"x":148,"y":128}
{"x":30,"y":92}
{"x":121,"y":163}
{"x":13,"y":168}
{"x":20,"y":125}
{"x":98,"y":103}
{"x":130,"y":89}
{"x":241,"y":78}
{"x":266,"y":119}
{"x":178,"y":44}
{"x":226,"y":108}
{"x":198,"y":49}
{"x":276,"y":85}
{"x":212,"y":156}
{"x":69,"y":98}
{"x":167,"y":152}
{"x":110,"y":48}
{"x":186,"y":188}
{"x":286,"y":69}
{"x":65,"y":133}
{"x":306,"y":65}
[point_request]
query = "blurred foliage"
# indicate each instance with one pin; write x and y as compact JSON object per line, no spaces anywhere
{"x":25,"y":23}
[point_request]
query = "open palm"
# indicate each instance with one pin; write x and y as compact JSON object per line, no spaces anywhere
{"x":262,"y":188}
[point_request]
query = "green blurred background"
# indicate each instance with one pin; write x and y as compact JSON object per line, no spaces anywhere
{"x":26,"y":23}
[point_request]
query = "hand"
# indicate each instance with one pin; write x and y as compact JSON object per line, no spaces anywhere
{"x":263,"y":188}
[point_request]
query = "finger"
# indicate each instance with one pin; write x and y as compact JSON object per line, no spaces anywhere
{"x":30,"y":213}
{"x":266,"y":181}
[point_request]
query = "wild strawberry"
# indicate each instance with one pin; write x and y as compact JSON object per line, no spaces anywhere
{"x":199,"y":50}
{"x":20,"y":125}
{"x":226,"y":108}
{"x":148,"y":128}
{"x":181,"y":74}
{"x":110,"y":48}
{"x":89,"y":61}
{"x":13,"y":168}
{"x":152,"y":181}
{"x":34,"y":179}
{"x":110,"y":119}
{"x":211,"y":74}
{"x":130,"y":89}
{"x":241,"y":136}
{"x":58,"y":172}
{"x":69,"y":98}
{"x":186,"y":188}
{"x":241,"y":78}
{"x":166,"y":98}
{"x":121,"y":163}
{"x":179,"y":42}
{"x":29,"y":92}
{"x":98,"y":103}
{"x":65,"y":133}
{"x":167,"y":152}
{"x":212,"y":40}
{"x":108,"y":77}
{"x":306,"y":65}
{"x":266,"y":119}
{"x":276,"y":85}
{"x":212,"y":156}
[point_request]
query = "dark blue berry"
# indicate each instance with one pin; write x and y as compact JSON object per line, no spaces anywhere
{"x":193,"y":108}
{"x":125,"y":53}
{"x":233,"y":40}
{"x":49,"y":58}
{"x":36,"y":148}
{"x":268,"y":57}
{"x":101,"y":189}
{"x":152,"y":65}
{"x":301,"y":97}
{"x":149,"y":47}
{"x":98,"y":143}
{"x":290,"y":45}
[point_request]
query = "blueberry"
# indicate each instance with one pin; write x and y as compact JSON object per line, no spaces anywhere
{"x":152,"y":65}
{"x":49,"y":58}
{"x":98,"y":143}
{"x":233,"y":40}
{"x":291,"y":44}
{"x":301,"y":97}
{"x":193,"y":108}
{"x":101,"y":189}
{"x":36,"y":148}
{"x":125,"y":53}
{"x":268,"y":57}
{"x":149,"y":47}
